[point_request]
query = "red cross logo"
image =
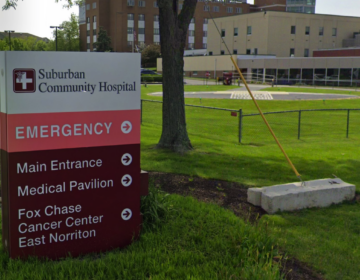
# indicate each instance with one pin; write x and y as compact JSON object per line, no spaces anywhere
{"x":24,"y":80}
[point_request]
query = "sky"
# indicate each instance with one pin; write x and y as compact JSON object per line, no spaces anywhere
{"x":36,"y":16}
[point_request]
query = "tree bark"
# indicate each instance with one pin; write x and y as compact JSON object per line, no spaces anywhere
{"x":173,"y":32}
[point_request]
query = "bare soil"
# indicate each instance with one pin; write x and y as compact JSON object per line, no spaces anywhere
{"x":232,"y":196}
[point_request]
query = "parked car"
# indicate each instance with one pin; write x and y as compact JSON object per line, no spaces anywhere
{"x":150,"y":76}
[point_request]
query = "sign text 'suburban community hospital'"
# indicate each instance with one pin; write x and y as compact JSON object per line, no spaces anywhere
{"x":70,"y":171}
{"x":49,"y":86}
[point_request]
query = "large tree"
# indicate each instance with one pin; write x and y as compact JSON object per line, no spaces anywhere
{"x":174,"y":24}
{"x":149,"y":55}
{"x":103,"y":43}
{"x":173,"y":31}
{"x":68,"y":38}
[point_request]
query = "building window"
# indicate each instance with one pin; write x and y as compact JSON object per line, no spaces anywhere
{"x":94,"y":18}
{"x":192,"y":20}
{"x":307,"y":30}
{"x":206,"y":8}
{"x":88,"y":33}
{"x":130,"y":30}
{"x":88,"y":7}
{"x":190,"y":45}
{"x":210,"y":53}
{"x":157,"y":43}
{"x":88,"y":45}
{"x":222,"y":52}
{"x":141,"y":3}
{"x":130,"y":16}
{"x":216,"y":9}
{"x":256,"y":51}
{"x":321,"y":31}
{"x":234,"y":51}
{"x":239,"y":10}
{"x":204,"y":33}
{"x":141,"y":17}
{"x":222,"y":32}
{"x":248,"y":51}
{"x":236,"y":31}
{"x":94,"y":5}
{"x":94,"y":31}
{"x":206,"y":21}
{"x":334,"y":31}
{"x":131,"y":2}
{"x":204,"y":46}
{"x":129,"y":43}
{"x":156,"y":18}
{"x":156,"y":4}
{"x":293,"y":29}
{"x":195,"y":73}
{"x":229,"y":9}
{"x":292,"y":52}
{"x":306,"y":53}
{"x":191,"y":33}
{"x":156,"y":31}
{"x":249,"y":30}
{"x":88,"y":20}
{"x":141,"y":30}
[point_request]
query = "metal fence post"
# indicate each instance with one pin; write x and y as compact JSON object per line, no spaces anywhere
{"x":240,"y":125}
{"x":299,"y":124}
{"x":348,"y":122}
{"x":141,"y":111}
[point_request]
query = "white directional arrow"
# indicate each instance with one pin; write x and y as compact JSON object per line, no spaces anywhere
{"x":126,"y":127}
{"x":126,"y":159}
{"x":126,"y":214}
{"x":126,"y":180}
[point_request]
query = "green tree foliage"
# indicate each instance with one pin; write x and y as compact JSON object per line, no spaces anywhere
{"x":28,"y":44}
{"x":68,"y":40}
{"x":69,"y":37}
{"x":150,"y":54}
{"x":4,"y":45}
{"x":103,"y":43}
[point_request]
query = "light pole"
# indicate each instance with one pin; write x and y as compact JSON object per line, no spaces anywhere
{"x":9,"y":31}
{"x":56,"y":28}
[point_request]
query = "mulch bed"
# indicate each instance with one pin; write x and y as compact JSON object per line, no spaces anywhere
{"x":232,"y":196}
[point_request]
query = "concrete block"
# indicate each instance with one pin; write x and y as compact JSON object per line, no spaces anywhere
{"x":294,"y":196}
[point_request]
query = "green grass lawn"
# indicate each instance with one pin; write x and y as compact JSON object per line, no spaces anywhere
{"x":199,"y":241}
{"x":313,"y":90}
{"x":203,"y":241}
{"x":328,"y":239}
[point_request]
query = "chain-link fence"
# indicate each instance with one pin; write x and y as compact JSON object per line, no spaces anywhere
{"x":321,"y":124}
{"x":236,"y":127}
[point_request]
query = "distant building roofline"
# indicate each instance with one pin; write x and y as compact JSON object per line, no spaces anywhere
{"x":300,"y":14}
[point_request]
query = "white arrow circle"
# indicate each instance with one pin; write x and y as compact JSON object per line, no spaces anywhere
{"x":126,"y":159}
{"x":126,"y":180}
{"x":126,"y":214}
{"x":126,"y":127}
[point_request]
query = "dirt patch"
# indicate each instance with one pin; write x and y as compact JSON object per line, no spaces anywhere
{"x":232,"y":196}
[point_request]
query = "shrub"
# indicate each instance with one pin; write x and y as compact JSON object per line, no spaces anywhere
{"x":155,"y":208}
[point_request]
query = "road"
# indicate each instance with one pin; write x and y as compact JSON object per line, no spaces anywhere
{"x":241,"y":93}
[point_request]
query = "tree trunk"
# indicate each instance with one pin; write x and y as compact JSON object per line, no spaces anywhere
{"x":173,"y":32}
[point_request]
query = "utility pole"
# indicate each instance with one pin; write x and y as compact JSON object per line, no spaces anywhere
{"x":56,"y":28}
{"x":9,"y":31}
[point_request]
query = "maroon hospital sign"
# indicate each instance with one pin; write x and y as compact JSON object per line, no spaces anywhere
{"x":70,"y":152}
